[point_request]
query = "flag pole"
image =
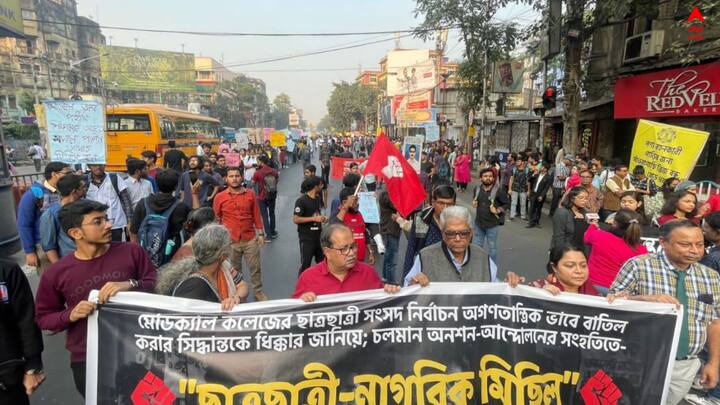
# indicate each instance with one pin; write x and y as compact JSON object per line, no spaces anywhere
{"x":359,"y":184}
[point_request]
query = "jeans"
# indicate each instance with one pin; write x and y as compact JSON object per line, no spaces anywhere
{"x":392,"y":245}
{"x":491,"y":234}
{"x":514,"y":201}
{"x":267,"y":211}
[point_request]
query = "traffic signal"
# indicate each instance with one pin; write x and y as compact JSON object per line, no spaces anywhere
{"x":549,"y":96}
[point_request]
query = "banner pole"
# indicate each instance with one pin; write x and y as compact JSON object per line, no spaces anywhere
{"x":359,"y":184}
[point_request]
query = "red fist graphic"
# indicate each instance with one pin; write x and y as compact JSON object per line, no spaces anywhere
{"x":151,"y":390}
{"x":600,"y":390}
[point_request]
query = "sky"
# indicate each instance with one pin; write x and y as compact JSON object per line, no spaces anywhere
{"x":308,"y":89}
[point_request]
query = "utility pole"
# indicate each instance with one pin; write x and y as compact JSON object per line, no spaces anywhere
{"x":483,"y":105}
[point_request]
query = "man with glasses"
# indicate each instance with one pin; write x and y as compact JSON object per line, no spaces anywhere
{"x":97,"y":264}
{"x":36,"y":200}
{"x":595,"y":197}
{"x":454,"y":259}
{"x":340,"y":272}
{"x":424,"y":227}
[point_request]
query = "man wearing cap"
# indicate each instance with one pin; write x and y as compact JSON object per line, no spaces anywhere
{"x":562,"y":171}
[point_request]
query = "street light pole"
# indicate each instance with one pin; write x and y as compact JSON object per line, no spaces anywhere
{"x":483,"y":106}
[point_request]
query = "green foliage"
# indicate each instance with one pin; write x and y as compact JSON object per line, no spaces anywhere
{"x":324,"y":124}
{"x":16,"y":130}
{"x":479,"y":33}
{"x":281,"y":108}
{"x":27,"y":102}
{"x":240,"y":103}
{"x":351,"y":102}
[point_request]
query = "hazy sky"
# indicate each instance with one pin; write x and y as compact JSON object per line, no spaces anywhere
{"x":308,"y":90}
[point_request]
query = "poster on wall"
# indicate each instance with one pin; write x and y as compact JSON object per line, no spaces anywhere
{"x":508,"y":76}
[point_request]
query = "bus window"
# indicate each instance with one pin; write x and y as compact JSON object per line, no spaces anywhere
{"x":167,"y":129}
{"x":122,"y":122}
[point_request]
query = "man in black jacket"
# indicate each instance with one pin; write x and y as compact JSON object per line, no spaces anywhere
{"x":490,"y":204}
{"x":21,"y":343}
{"x":539,"y":185}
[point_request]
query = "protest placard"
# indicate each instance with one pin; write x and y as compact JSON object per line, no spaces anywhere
{"x":368,"y":207}
{"x":277,"y":139}
{"x":242,"y":139}
{"x":76,"y":131}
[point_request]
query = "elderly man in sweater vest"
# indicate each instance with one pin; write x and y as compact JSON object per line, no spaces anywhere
{"x":455,"y":259}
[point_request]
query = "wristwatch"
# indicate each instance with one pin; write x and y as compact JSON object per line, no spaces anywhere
{"x":133,"y":283}
{"x":33,"y":371}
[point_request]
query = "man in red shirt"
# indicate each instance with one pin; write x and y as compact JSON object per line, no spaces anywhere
{"x":238,"y":210}
{"x":340,"y":272}
{"x":349,"y":215}
{"x":261,"y":179}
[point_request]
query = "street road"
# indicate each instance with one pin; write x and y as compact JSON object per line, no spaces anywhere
{"x":521,"y":250}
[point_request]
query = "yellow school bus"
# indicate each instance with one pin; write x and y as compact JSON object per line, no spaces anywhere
{"x":133,"y":128}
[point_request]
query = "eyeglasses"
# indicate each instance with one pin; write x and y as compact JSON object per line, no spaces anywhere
{"x":65,"y":172}
{"x":456,"y":234}
{"x":443,"y":203}
{"x":100,"y":221}
{"x":345,"y":250}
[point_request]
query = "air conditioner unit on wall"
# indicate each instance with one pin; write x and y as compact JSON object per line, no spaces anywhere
{"x":642,"y":46}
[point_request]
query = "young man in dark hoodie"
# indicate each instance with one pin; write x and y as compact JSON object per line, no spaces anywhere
{"x":162,"y":200}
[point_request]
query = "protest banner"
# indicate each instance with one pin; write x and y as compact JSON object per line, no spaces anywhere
{"x":266,"y":133}
{"x":432,"y":133}
{"x":277,"y":139}
{"x":339,"y":167}
{"x":290,"y":145}
{"x":368,"y":207}
{"x":666,"y":150}
{"x":462,"y":343}
{"x":242,"y":138}
{"x":76,"y":131}
{"x":232,"y":159}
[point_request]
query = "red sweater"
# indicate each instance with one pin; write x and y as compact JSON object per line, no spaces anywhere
{"x":608,"y":254}
{"x":70,"y":280}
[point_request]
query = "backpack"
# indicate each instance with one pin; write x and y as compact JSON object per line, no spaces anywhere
{"x":32,"y":151}
{"x":113,"y":181}
{"x":153,"y":234}
{"x":270,"y":182}
{"x":444,"y":169}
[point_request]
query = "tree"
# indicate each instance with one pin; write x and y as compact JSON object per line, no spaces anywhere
{"x":240,"y":102}
{"x":350,"y":103}
{"x":281,"y":108}
{"x":324,"y":124}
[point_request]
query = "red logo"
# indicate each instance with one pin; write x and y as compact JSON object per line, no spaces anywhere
{"x":151,"y":390}
{"x":696,"y":29}
{"x":600,"y":390}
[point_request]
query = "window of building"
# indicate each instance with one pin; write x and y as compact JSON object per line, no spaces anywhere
{"x":28,"y":15}
{"x":26,"y":68}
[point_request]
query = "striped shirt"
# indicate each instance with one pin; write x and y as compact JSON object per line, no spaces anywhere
{"x":560,"y":170}
{"x":653,"y":274}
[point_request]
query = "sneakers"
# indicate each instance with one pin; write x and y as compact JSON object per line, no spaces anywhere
{"x":704,"y":400}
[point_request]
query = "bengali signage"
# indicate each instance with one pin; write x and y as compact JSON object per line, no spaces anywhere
{"x":277,"y":139}
{"x":339,"y":167}
{"x":679,"y":92}
{"x":11,"y":22}
{"x":76,"y":131}
{"x":666,"y":150}
{"x":460,"y":343}
{"x":125,"y":68}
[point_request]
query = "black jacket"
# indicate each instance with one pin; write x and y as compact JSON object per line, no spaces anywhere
{"x":545,"y":183}
{"x":485,"y":219}
{"x":21,"y":343}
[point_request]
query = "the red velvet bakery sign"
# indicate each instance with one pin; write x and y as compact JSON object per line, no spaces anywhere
{"x":683,"y":92}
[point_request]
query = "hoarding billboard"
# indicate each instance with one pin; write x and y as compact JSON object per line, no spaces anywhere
{"x":145,"y":69}
{"x":11,"y":23}
{"x":508,"y":77}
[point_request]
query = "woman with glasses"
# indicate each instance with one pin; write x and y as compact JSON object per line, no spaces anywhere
{"x":569,"y":222}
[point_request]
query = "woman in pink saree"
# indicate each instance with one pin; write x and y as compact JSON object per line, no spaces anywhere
{"x":462,"y":170}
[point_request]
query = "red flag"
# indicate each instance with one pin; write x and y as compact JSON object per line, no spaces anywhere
{"x":404,"y":187}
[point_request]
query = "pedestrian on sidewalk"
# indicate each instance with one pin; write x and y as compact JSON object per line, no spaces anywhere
{"x":462,"y":170}
{"x":97,"y":264}
{"x":308,"y":218}
{"x":519,"y":185}
{"x":37,"y":154}
{"x":237,"y":209}
{"x":490,"y":205}
{"x":539,"y":186}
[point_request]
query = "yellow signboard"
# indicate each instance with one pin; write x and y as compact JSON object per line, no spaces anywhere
{"x":277,"y":139}
{"x":666,"y":150}
{"x":471,"y":132}
{"x":11,"y":23}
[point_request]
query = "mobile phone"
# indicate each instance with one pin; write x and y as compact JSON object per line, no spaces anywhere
{"x":592,"y":216}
